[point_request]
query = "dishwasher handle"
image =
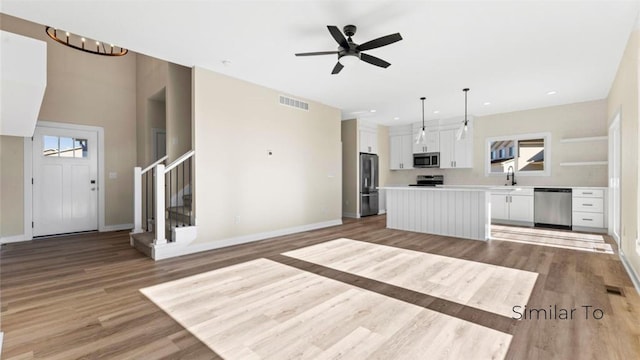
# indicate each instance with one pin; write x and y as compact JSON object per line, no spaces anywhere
{"x":560,"y":190}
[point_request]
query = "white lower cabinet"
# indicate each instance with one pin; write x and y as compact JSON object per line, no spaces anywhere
{"x":588,"y":207}
{"x":512,"y":207}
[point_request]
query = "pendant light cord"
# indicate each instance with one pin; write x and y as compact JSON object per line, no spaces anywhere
{"x":423,"y":99}
{"x":465,"y":105}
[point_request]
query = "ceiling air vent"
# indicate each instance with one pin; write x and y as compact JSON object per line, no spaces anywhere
{"x":295,"y":103}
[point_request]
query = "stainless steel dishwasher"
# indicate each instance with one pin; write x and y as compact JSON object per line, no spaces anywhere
{"x":552,"y":207}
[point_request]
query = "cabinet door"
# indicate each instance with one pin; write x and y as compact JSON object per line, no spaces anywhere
{"x":433,"y":140}
{"x":462,"y":152}
{"x":395,"y":152}
{"x":499,"y":207}
{"x":447,"y":143}
{"x":407,"y":153}
{"x":368,"y":142}
{"x":521,"y":208}
{"x":421,"y":147}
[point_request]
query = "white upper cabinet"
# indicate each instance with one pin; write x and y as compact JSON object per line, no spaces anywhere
{"x":456,"y":154}
{"x":431,"y":141}
{"x":368,"y":138}
{"x":400,"y":148}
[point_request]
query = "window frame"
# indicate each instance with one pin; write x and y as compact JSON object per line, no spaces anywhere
{"x":516,"y":138}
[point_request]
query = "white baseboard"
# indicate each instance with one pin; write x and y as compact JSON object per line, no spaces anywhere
{"x":635,"y":279}
{"x":1,"y":338}
{"x":177,"y":249}
{"x":350,"y":215}
{"x":14,"y":238}
{"x":116,"y":227}
{"x":382,"y":212}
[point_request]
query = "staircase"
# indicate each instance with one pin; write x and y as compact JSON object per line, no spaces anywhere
{"x":164,"y":216}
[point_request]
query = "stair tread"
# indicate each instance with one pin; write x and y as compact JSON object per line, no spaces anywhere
{"x":145,"y":238}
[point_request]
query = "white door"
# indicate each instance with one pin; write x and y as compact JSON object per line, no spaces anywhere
{"x":614,"y":179}
{"x":65,"y":181}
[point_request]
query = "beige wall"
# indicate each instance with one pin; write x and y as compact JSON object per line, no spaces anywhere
{"x":11,"y":186}
{"x":90,"y":90}
{"x":178,"y":111}
{"x":623,"y":97}
{"x":564,"y":121}
{"x":151,"y":79}
{"x":242,"y":191}
{"x":349,"y":136}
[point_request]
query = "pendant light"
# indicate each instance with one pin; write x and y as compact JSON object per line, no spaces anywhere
{"x":462,"y":132}
{"x":421,"y":134}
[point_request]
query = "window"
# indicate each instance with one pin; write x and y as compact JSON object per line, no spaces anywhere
{"x":60,"y":146}
{"x":522,"y":154}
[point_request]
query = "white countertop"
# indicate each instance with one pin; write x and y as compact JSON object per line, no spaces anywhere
{"x":487,"y":187}
{"x":516,"y":187}
{"x":435,"y":188}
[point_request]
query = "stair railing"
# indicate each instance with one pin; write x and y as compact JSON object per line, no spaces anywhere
{"x":179,"y":189}
{"x":152,"y":187}
{"x":143,"y":198}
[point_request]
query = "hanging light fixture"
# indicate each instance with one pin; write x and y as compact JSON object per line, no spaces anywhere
{"x":421,"y":134}
{"x":78,"y":43}
{"x":462,"y":132}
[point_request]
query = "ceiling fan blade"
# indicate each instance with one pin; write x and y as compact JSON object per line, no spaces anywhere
{"x":337,"y":68}
{"x":379,"y":42}
{"x":374,"y":60}
{"x":337,"y":35}
{"x":317,"y":53}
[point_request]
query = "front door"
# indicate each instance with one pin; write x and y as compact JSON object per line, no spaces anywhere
{"x":65,"y":181}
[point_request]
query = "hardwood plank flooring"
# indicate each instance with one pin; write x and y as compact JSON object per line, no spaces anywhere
{"x":487,"y":287}
{"x":262,"y":309}
{"x":553,"y":238}
{"x":78,"y":296}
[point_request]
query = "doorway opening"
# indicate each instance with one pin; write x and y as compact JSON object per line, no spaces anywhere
{"x":614,"y":179}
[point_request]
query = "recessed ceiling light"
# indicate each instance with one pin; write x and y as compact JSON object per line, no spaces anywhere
{"x":396,"y":118}
{"x":487,"y":103}
{"x":373,"y":110}
{"x":551,"y":93}
{"x":436,"y":111}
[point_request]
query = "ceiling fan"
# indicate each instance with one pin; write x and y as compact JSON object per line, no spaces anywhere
{"x":350,"y":52}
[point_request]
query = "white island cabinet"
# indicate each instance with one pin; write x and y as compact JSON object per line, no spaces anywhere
{"x":449,"y":211}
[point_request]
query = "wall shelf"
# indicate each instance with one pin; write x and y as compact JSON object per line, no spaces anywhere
{"x":584,"y":163}
{"x":584,"y":139}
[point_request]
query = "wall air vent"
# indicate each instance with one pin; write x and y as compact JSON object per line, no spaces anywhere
{"x":295,"y":103}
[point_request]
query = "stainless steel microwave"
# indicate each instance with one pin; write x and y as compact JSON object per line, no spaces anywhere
{"x":426,"y":160}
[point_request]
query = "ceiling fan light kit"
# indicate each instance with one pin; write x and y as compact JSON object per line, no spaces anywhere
{"x":462,"y":132}
{"x":349,"y":52}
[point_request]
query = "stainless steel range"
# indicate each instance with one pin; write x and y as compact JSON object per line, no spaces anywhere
{"x":429,"y":180}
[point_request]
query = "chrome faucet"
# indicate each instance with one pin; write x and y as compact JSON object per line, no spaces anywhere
{"x":513,"y":175}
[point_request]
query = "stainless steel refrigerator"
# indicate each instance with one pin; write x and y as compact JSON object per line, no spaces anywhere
{"x":368,"y":184}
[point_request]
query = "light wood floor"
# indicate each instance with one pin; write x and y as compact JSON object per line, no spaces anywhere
{"x":553,"y":238}
{"x":492,"y":288}
{"x":262,"y":309}
{"x":78,"y":296}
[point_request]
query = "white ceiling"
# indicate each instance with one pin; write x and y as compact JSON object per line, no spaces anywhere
{"x":509,"y":53}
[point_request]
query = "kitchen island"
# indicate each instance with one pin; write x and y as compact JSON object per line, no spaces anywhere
{"x":462,"y":212}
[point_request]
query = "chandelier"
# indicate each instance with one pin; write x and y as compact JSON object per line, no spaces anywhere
{"x":83,"y":44}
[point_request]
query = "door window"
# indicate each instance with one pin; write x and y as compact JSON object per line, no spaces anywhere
{"x":65,"y":147}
